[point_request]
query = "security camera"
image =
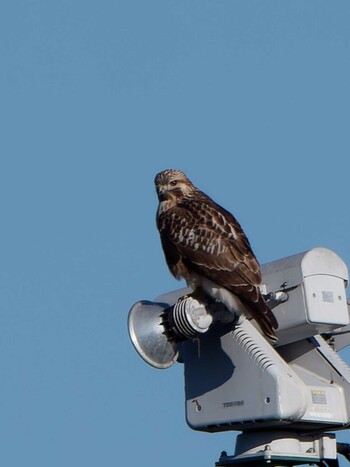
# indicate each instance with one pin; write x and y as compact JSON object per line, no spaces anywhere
{"x":234,"y":378}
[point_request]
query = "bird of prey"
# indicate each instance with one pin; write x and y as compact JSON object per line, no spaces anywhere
{"x":205,"y":245}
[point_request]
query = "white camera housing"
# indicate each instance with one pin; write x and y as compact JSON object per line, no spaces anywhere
{"x":315,"y":281}
{"x":236,"y":380}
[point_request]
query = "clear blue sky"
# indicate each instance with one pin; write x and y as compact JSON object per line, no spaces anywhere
{"x":250,"y":98}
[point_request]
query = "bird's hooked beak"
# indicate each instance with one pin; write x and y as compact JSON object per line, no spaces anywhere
{"x":161,"y":192}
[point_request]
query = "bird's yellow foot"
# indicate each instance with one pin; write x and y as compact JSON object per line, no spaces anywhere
{"x":197,"y":294}
{"x":184,"y":297}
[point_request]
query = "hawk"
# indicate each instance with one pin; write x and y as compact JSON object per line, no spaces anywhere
{"x":205,"y":245}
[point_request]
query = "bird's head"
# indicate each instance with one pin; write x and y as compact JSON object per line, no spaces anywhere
{"x":172,"y":184}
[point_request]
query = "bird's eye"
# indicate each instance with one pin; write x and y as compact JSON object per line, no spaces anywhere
{"x":173,"y":182}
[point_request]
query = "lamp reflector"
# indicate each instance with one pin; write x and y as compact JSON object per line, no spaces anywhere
{"x":147,"y":334}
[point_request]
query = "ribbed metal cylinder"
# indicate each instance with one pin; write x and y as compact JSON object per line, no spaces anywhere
{"x":181,"y":316}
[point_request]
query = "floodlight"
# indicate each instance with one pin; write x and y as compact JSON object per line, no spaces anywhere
{"x":155,"y":328}
{"x":147,"y":334}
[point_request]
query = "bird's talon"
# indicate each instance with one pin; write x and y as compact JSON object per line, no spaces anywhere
{"x":183,"y":297}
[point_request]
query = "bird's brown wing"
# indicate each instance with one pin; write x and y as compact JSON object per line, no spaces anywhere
{"x":210,"y":241}
{"x":199,"y":235}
